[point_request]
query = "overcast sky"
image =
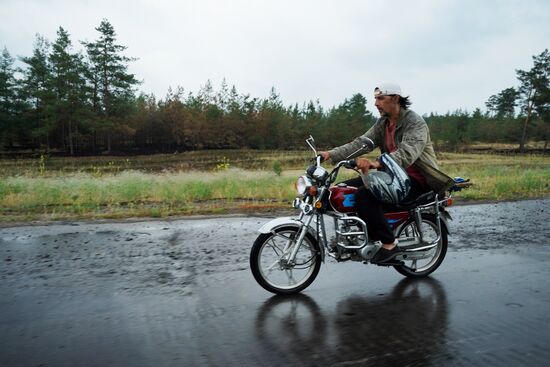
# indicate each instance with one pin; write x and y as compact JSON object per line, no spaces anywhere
{"x":445,"y":54}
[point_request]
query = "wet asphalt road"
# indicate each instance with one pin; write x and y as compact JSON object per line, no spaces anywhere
{"x":179,"y":293}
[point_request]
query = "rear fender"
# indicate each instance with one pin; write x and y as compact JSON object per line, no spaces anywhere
{"x":445,"y":218}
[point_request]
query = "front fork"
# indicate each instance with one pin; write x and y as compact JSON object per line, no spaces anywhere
{"x":302,"y":233}
{"x":293,"y":246}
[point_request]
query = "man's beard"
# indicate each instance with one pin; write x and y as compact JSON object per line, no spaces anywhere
{"x":383,"y":113}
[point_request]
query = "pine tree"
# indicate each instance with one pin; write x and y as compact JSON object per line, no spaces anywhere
{"x":503,"y":105}
{"x":535,"y":92}
{"x":37,"y":92}
{"x":69,"y":87}
{"x":111,"y":84}
{"x":7,"y":97}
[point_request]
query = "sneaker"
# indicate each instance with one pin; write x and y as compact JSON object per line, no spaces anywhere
{"x":383,"y":255}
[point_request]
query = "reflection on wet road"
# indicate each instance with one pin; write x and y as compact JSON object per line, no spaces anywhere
{"x":408,"y":324}
{"x":180,"y":294}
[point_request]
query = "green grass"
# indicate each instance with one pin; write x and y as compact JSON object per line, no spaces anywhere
{"x":51,"y":194}
{"x":500,"y":177}
{"x":133,"y":193}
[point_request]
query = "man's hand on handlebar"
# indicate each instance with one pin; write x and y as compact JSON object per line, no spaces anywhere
{"x":324,"y":156}
{"x":364,"y":164}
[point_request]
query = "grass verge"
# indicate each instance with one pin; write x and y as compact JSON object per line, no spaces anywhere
{"x":84,"y":195}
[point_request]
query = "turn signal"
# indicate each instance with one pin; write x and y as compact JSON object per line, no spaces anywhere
{"x":313,"y":190}
{"x":318,"y":205}
{"x":449,"y":202}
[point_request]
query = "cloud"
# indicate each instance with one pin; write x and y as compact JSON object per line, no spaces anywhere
{"x":448,"y":54}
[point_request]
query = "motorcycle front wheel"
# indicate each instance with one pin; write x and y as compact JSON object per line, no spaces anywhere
{"x":270,"y":266}
{"x":419,"y":268}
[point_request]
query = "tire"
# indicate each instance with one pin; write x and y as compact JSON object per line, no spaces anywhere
{"x":266,"y":253}
{"x":411,"y":268}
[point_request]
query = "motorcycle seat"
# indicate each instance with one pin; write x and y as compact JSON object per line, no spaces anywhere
{"x":423,"y":199}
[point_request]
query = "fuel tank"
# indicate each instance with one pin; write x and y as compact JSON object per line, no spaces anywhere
{"x":342,"y":198}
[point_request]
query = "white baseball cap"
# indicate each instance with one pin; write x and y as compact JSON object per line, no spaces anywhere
{"x":386,"y":89}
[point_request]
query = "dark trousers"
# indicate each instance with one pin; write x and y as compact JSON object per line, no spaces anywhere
{"x":371,"y":210}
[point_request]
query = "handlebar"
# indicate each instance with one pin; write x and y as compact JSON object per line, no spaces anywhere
{"x":317,"y":157}
{"x":349,"y":164}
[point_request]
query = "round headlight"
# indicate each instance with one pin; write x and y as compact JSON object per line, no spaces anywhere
{"x":302,"y":185}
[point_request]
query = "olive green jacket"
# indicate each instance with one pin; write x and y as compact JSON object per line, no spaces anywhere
{"x":414,"y":147}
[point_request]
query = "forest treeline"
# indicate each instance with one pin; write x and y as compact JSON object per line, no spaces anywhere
{"x":85,"y":102}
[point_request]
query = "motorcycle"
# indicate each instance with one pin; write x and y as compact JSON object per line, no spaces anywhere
{"x":286,"y":257}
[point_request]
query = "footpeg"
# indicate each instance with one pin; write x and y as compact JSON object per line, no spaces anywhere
{"x":344,"y":257}
{"x":391,"y":263}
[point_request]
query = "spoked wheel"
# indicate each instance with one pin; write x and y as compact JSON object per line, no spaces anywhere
{"x":272,"y":269}
{"x":431,"y":259}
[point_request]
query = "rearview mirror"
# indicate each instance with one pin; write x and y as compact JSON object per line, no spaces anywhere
{"x":311,"y":142}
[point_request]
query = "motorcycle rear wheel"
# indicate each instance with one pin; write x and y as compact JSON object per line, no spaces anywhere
{"x":273,"y":272}
{"x":412,"y":268}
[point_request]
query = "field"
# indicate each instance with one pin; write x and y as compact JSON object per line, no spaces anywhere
{"x":215,"y":182}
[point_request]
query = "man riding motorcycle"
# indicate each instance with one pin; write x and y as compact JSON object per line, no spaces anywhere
{"x":405,"y":137}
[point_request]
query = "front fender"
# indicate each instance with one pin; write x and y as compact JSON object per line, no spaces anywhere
{"x":277,"y":223}
{"x":273,"y":225}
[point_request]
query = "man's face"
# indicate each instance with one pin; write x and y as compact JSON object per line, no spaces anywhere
{"x":385,"y":104}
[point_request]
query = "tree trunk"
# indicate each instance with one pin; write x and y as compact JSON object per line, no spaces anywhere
{"x":63,"y":139}
{"x":524,"y":134}
{"x":76,"y":137}
{"x":70,"y":137}
{"x":525,"y":124}
{"x":108,"y":141}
